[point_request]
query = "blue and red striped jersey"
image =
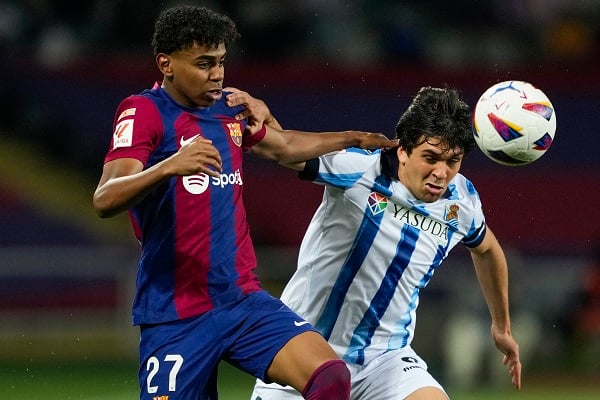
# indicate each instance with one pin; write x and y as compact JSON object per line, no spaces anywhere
{"x":196,"y":250}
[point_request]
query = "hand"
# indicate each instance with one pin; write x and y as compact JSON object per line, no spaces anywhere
{"x":255,"y":110}
{"x":509,"y":347}
{"x":195,"y":157}
{"x":370,"y":140}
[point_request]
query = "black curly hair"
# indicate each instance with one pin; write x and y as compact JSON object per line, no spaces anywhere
{"x":179,"y":27}
{"x":437,"y":113}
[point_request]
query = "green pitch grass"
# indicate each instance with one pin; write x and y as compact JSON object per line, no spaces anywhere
{"x":117,"y":381}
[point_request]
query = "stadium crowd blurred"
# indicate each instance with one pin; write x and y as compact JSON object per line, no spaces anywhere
{"x":452,"y":34}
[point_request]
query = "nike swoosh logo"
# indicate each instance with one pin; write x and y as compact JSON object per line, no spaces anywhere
{"x":183,"y":141}
{"x":300,"y":323}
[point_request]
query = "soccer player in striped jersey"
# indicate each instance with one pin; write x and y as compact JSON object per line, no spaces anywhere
{"x":386,"y":222}
{"x":175,"y":163}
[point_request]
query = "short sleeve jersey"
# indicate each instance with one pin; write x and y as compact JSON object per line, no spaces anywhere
{"x":196,"y":251}
{"x":370,"y":249}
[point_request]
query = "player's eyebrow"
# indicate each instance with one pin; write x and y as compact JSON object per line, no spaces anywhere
{"x":452,"y":153}
{"x":209,"y":56}
{"x":430,"y":151}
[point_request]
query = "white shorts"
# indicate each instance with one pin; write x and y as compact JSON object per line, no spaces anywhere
{"x":392,"y":376}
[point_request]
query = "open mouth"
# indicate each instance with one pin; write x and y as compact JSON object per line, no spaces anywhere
{"x":215,"y":94}
{"x":433,"y":188}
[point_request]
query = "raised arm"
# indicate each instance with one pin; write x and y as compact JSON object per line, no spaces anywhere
{"x":255,"y":110}
{"x":492,"y":274}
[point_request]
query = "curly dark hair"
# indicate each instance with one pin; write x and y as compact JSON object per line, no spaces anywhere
{"x":179,"y":27}
{"x":437,"y":113}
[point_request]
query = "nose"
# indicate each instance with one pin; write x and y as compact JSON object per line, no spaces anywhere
{"x":440,"y":171}
{"x":217,"y":73}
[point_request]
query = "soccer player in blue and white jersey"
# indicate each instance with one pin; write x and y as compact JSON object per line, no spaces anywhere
{"x":386,"y":222}
{"x":175,"y":163}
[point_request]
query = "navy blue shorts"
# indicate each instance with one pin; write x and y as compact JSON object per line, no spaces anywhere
{"x":179,"y":359}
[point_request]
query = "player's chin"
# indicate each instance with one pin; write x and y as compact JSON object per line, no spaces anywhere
{"x":431,"y":199}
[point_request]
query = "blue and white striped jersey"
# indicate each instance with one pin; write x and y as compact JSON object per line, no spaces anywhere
{"x":371,"y":247}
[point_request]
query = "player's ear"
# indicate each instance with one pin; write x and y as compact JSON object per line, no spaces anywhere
{"x":163,"y":62}
{"x":402,"y":154}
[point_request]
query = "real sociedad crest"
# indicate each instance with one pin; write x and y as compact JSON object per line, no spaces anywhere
{"x":452,"y":215}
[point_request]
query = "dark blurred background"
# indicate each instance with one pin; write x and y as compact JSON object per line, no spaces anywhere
{"x":66,"y":277}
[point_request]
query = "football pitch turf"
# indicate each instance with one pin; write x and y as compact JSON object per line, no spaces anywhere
{"x":117,"y":381}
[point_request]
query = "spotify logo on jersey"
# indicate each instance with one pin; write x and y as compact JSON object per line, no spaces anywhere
{"x":197,"y":184}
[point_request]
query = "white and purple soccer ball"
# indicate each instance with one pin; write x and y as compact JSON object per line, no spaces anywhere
{"x":514,"y":123}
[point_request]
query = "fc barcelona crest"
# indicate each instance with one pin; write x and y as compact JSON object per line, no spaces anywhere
{"x":235,"y":131}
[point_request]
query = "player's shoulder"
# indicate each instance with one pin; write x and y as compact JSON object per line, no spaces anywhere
{"x":464,"y":184}
{"x":463,"y":191}
{"x":153,"y":99}
{"x":136,"y":106}
{"x":355,"y":153}
{"x":351,"y":159}
{"x":136,"y":99}
{"x":364,"y":152}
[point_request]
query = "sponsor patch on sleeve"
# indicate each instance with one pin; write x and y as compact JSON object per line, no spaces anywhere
{"x":123,"y":134}
{"x":127,"y":113}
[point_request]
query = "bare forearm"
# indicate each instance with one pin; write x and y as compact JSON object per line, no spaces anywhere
{"x":273,"y":123}
{"x":119,"y":194}
{"x":291,"y":146}
{"x":492,"y":274}
{"x":305,"y":146}
{"x":124,"y":181}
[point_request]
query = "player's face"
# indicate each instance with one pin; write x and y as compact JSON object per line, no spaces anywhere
{"x":194,"y":75}
{"x":428,"y":169}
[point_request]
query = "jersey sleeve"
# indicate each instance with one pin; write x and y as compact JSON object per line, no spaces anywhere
{"x":475,"y":236}
{"x":137,"y":129}
{"x":340,"y":169}
{"x":477,"y":229}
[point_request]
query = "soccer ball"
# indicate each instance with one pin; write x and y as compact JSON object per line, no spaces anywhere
{"x":514,"y":123}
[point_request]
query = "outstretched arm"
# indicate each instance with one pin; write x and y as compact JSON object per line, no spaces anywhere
{"x":291,"y":147}
{"x":492,"y":274}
